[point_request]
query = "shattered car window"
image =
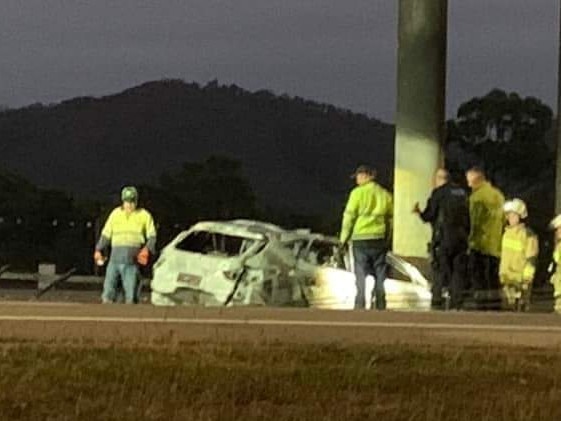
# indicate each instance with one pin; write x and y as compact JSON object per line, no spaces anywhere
{"x":297,"y":248}
{"x":324,"y":253}
{"x":216,"y":244}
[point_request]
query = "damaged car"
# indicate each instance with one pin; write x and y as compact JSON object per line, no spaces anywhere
{"x":252,"y":263}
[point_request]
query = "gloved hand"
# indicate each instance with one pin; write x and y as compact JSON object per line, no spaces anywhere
{"x":143,"y":256}
{"x":98,"y":258}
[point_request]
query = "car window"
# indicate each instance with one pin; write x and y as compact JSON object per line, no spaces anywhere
{"x":296,"y":247}
{"x":212,"y":243}
{"x":324,"y":253}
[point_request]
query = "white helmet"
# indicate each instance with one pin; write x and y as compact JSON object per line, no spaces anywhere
{"x":555,"y":222}
{"x":516,"y":206}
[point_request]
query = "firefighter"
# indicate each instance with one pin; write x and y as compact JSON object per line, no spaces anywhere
{"x":367,"y":224}
{"x":131,"y":233}
{"x":519,"y":252}
{"x":487,"y":222}
{"x":556,"y":277}
{"x":447,"y":211}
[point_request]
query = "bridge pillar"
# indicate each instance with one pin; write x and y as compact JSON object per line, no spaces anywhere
{"x":420,"y":120}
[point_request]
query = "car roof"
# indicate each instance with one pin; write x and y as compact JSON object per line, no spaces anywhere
{"x":252,"y":228}
{"x":242,"y":228}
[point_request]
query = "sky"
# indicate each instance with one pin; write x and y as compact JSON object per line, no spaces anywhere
{"x":341,"y":52}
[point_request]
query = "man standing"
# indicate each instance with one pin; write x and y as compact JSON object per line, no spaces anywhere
{"x":440,"y":178}
{"x":367,"y":224}
{"x":487,"y":222}
{"x":131,"y":233}
{"x":448,"y":212}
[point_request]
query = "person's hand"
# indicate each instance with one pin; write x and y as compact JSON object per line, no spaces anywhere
{"x":98,"y":258}
{"x":416,"y":208}
{"x":142,"y":256}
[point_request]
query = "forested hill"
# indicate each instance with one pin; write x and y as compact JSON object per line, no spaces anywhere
{"x":297,"y":153}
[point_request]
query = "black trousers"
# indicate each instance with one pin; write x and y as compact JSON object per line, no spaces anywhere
{"x":449,"y":271}
{"x":484,"y":271}
{"x":484,"y":276}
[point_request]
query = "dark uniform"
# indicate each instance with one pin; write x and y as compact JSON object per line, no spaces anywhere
{"x":448,"y":212}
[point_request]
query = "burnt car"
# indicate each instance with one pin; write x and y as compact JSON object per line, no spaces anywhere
{"x":252,"y":263}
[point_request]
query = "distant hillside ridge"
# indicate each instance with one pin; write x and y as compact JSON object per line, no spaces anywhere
{"x":298,"y":153}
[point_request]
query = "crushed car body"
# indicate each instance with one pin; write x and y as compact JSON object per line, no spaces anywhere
{"x":252,"y":263}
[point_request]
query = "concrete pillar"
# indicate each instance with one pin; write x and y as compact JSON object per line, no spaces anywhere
{"x":420,"y":120}
{"x":558,"y":166}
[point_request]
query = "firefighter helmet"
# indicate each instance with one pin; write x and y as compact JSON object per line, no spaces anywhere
{"x":516,"y":206}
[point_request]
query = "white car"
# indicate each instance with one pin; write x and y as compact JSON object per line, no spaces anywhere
{"x":242,"y":262}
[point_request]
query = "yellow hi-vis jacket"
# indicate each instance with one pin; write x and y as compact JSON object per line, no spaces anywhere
{"x":368,"y":213}
{"x":487,"y":219}
{"x":518,"y":255}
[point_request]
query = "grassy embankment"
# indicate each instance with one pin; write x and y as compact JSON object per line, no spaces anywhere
{"x":203,"y":381}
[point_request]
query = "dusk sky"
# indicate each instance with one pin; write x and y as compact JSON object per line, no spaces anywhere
{"x":337,"y":51}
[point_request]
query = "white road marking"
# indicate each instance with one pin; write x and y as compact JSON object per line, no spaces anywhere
{"x":300,"y":323}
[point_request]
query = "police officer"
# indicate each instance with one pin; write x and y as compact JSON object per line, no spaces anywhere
{"x":447,"y":211}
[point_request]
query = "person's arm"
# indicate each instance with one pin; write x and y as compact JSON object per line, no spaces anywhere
{"x":477,"y":211}
{"x":349,"y":217}
{"x":389,"y":221}
{"x":503,"y":268}
{"x":532,"y":249}
{"x":106,"y":234}
{"x":430,"y":214}
{"x":150,"y":234}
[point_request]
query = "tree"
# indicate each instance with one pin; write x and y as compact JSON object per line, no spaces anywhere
{"x":213,"y":189}
{"x":502,"y":132}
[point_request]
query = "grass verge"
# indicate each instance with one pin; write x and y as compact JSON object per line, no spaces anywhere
{"x":274,"y":381}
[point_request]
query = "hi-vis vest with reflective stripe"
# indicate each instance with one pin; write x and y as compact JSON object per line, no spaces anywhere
{"x":518,"y":255}
{"x":129,"y":230}
{"x":127,"y":233}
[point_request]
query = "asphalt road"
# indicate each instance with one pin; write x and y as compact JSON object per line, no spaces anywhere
{"x":118,"y":323}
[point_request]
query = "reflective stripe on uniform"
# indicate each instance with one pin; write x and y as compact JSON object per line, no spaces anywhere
{"x":127,"y":238}
{"x":511,"y":244}
{"x":133,"y":229}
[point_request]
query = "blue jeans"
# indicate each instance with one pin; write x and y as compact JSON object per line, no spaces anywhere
{"x":370,"y":259}
{"x":129,"y":275}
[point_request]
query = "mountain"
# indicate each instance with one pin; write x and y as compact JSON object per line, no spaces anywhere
{"x":297,"y":153}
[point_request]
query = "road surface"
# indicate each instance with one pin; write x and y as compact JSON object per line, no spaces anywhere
{"x":118,"y":323}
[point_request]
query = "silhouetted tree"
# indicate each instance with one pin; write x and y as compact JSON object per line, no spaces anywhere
{"x":503,"y":132}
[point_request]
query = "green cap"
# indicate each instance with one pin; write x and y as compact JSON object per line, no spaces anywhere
{"x":129,"y":194}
